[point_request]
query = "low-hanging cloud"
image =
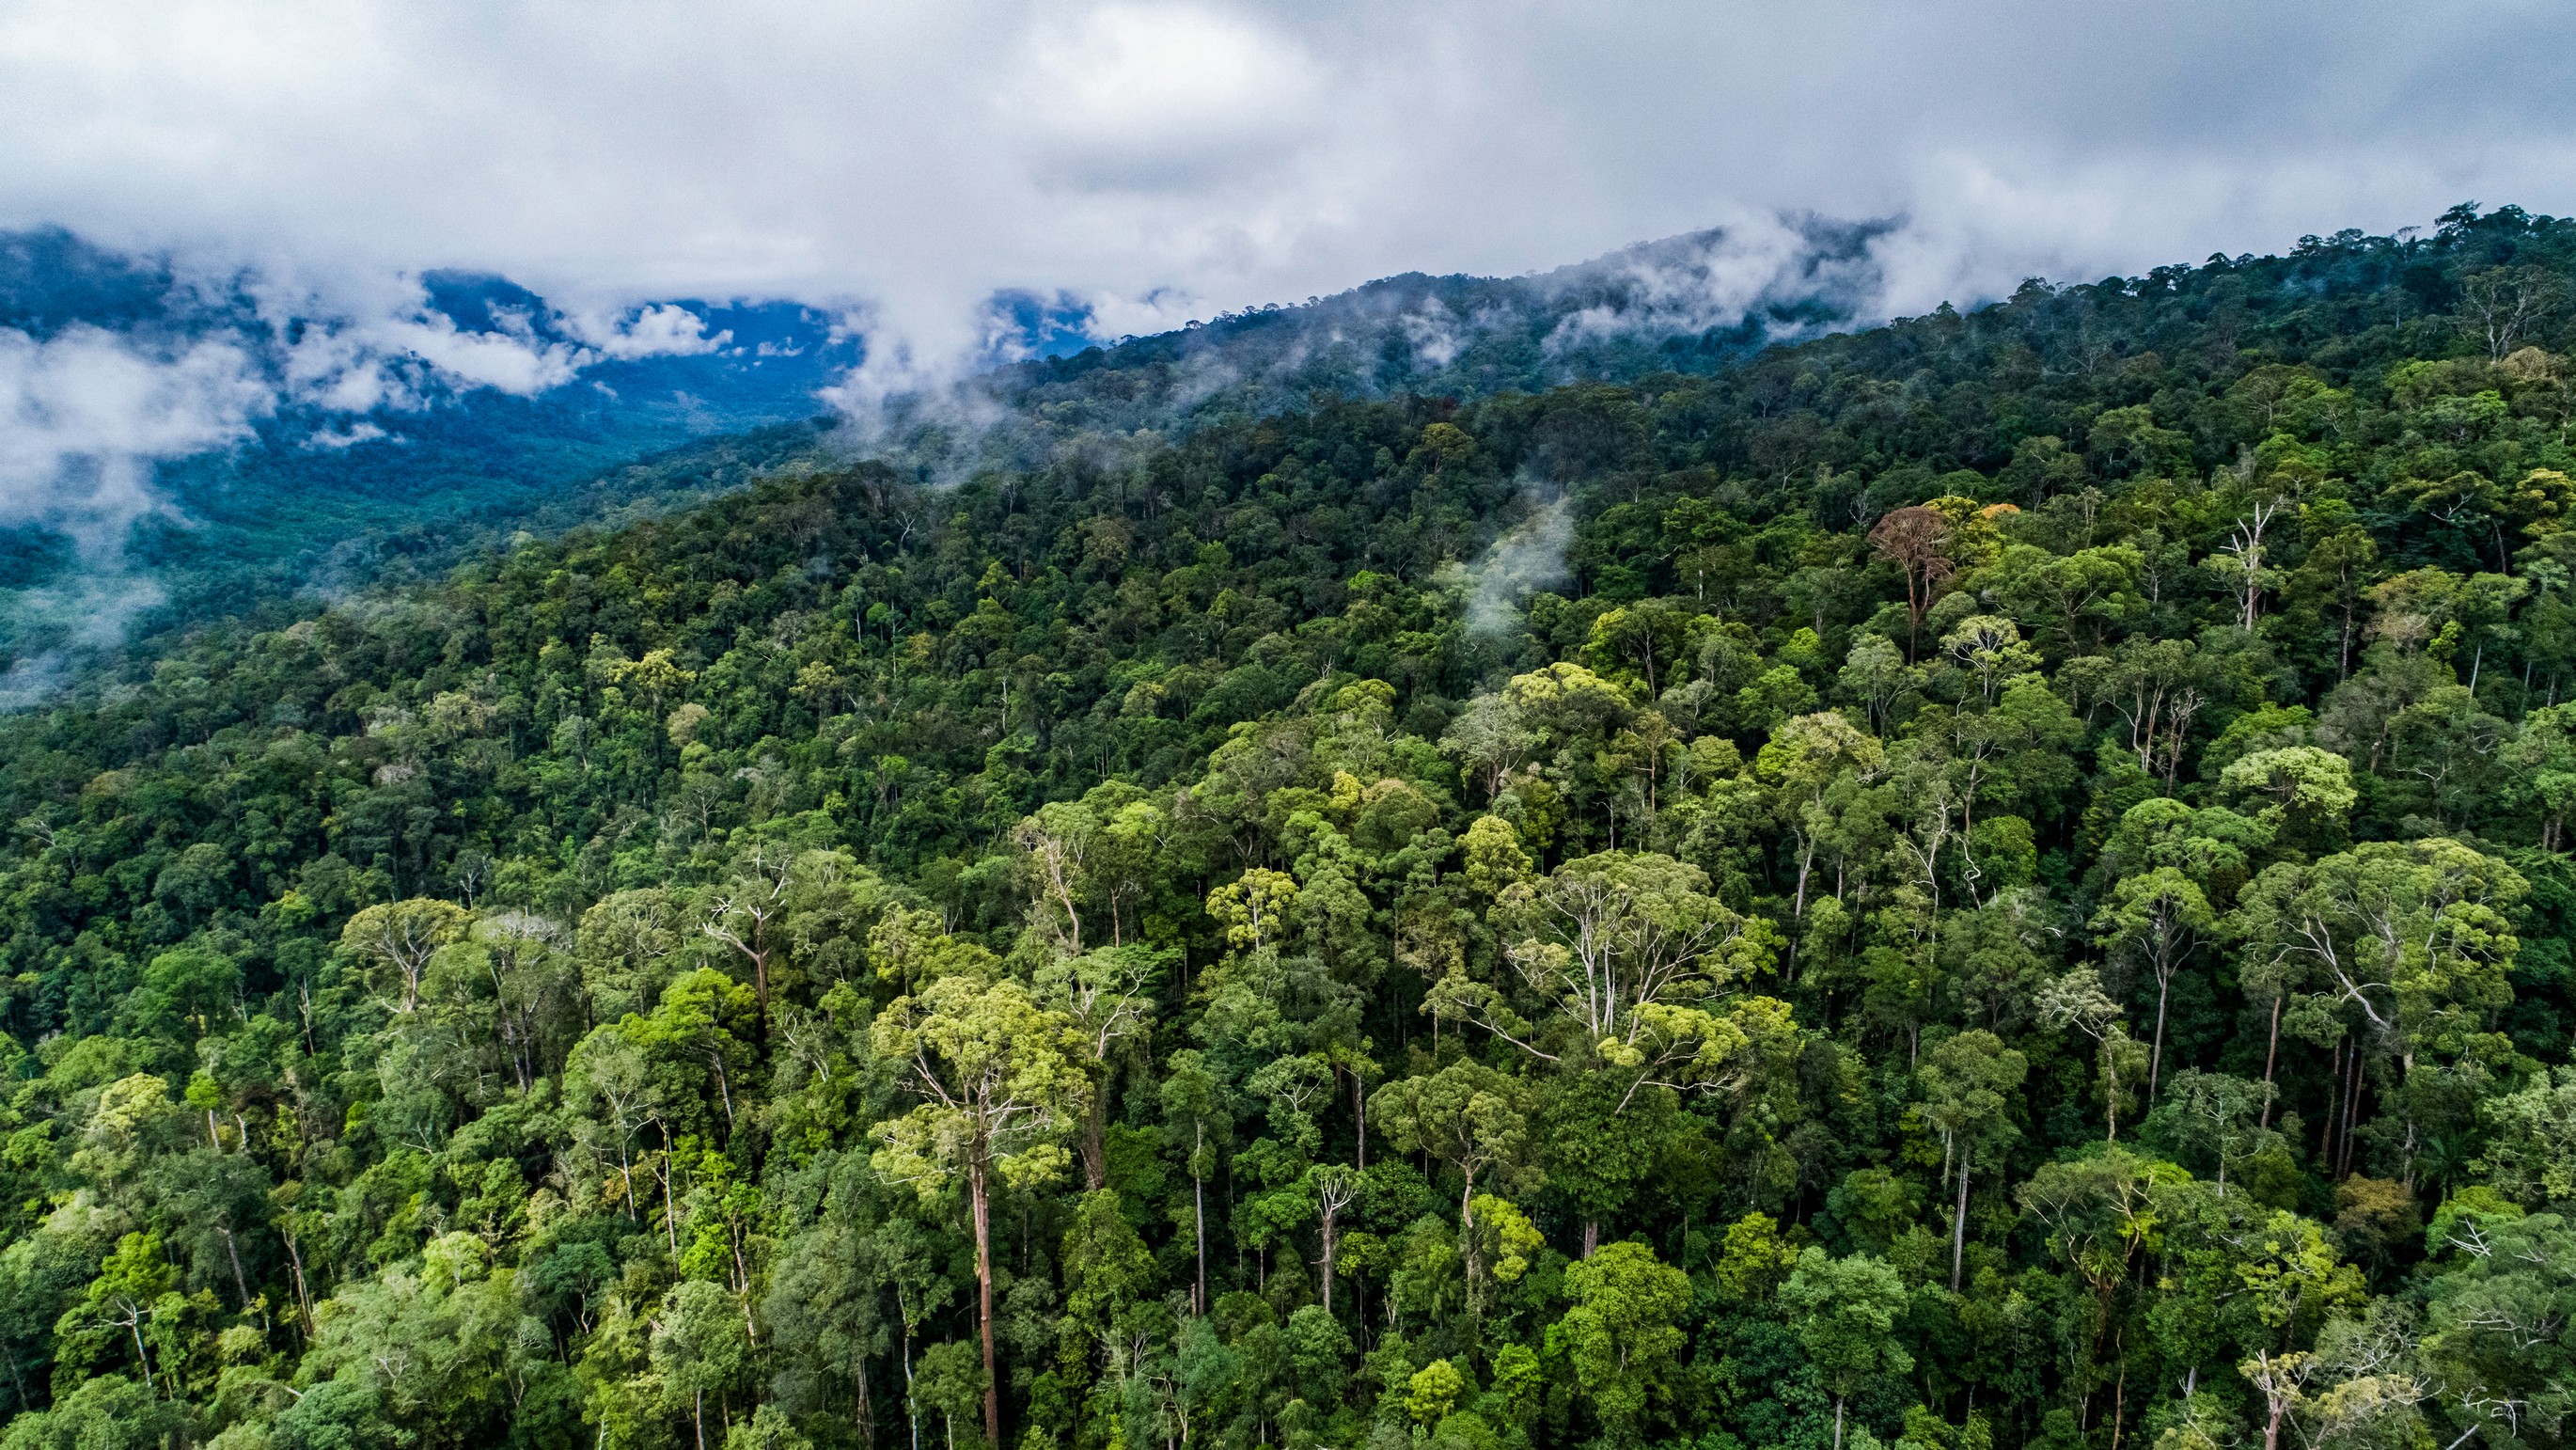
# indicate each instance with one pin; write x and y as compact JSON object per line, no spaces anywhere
{"x":659,"y":329}
{"x":198,"y":361}
{"x":384,"y":345}
{"x":1727,"y":290}
{"x":513,"y":360}
{"x":1716,"y":279}
{"x":84,"y":418}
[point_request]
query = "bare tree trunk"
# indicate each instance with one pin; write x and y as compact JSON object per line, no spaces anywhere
{"x":1959,"y":1227}
{"x":134,"y":1322}
{"x":2156,"y":1060}
{"x":911,"y":1402}
{"x":303,"y":1296}
{"x":2351,"y":1105}
{"x":1198,"y":1187}
{"x":983,"y":1207}
{"x":2110,"y":1092}
{"x":1467,"y":1254}
{"x":2271,"y":1056}
{"x":670,"y":1209}
{"x":1359,"y":1115}
{"x":867,"y":1411}
{"x":2336,"y":1100}
{"x":241,"y":1281}
{"x":1095,"y":1141}
{"x":1329,"y":1245}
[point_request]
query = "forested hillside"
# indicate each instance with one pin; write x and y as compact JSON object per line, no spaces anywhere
{"x":340,"y":452}
{"x":1690,"y":304}
{"x":331,"y":452}
{"x":1994,"y":881}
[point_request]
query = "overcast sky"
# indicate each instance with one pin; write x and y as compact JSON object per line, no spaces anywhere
{"x":1168,"y":159}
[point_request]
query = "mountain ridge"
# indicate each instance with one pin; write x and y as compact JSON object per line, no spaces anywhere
{"x":487,"y":406}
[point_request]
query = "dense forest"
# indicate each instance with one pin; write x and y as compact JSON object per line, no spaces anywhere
{"x":1993,"y":881}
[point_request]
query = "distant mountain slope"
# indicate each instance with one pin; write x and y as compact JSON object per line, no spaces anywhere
{"x":482,"y":403}
{"x":304,"y":448}
{"x":1689,"y":304}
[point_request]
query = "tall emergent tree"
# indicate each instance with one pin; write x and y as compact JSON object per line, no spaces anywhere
{"x":1002,"y":1084}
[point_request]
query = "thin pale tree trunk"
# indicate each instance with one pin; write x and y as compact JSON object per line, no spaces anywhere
{"x":1959,"y":1227}
{"x":2156,"y":1060}
{"x":911,"y":1402}
{"x":983,"y":1206}
{"x":2271,"y":1057}
{"x":1329,"y":1245}
{"x":1198,"y":1187}
{"x":1359,"y":1115}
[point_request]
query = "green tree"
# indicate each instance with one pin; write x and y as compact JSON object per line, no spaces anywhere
{"x":1108,"y":997}
{"x":1468,"y":1116}
{"x":1001,"y":1084}
{"x":700,"y":1347}
{"x":1845,"y":1311}
{"x":2531,"y":1156}
{"x":1622,"y":1335}
{"x":110,"y":1412}
{"x":2498,"y":1318}
{"x":1802,"y":760}
{"x":1968,"y":1081}
{"x":1108,"y":1271}
{"x":398,"y":939}
{"x":951,"y":1385}
{"x":1623,"y":948}
{"x":2158,"y":915}
{"x":2077,"y":1000}
{"x":1198,"y":1123}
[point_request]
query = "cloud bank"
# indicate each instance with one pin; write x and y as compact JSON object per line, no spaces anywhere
{"x":1162,"y":161}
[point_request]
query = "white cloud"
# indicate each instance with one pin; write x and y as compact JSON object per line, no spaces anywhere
{"x":84,"y":417}
{"x":513,"y":360}
{"x":81,"y":411}
{"x":1193,"y":155}
{"x":1433,"y":332}
{"x":1157,"y":98}
{"x":660,"y":329}
{"x":1691,"y":284}
{"x":332,"y":440}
